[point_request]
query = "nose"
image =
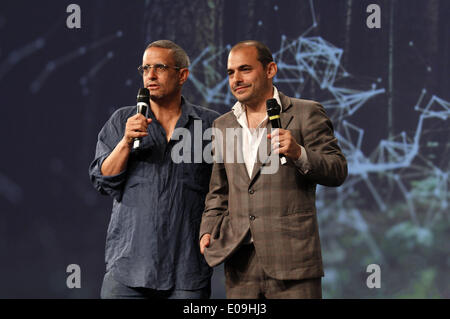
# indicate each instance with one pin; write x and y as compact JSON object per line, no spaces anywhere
{"x":235,"y":78}
{"x":150,"y":74}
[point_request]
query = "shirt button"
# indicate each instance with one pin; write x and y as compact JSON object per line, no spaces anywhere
{"x":252,"y":217}
{"x":251,"y":191}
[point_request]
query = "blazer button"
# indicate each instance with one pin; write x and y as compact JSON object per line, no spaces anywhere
{"x":251,"y":191}
{"x":252,"y":217}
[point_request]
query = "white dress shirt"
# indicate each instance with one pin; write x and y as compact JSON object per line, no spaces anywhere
{"x":251,"y":137}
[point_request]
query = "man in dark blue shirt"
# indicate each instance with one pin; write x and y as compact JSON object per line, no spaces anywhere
{"x":152,"y":248}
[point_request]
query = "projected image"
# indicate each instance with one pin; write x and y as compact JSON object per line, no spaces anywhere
{"x":385,"y":87}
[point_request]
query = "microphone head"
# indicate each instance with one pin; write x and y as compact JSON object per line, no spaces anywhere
{"x":143,"y":95}
{"x":272,"y":107}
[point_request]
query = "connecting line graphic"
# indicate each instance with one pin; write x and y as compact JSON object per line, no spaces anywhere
{"x":16,"y":56}
{"x":316,"y":59}
{"x":395,"y":164}
{"x":312,"y":58}
{"x":84,"y":80}
{"x":208,"y":80}
{"x":395,"y":158}
{"x":10,"y":190}
{"x":52,"y":65}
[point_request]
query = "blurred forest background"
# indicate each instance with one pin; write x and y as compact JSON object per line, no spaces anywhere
{"x":387,"y":91}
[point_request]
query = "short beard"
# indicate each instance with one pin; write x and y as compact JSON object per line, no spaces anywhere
{"x":156,"y":97}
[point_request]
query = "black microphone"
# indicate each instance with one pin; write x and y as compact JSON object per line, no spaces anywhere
{"x":273,"y":111}
{"x":143,"y":101}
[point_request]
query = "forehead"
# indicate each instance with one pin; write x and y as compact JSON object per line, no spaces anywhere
{"x":243,"y":56}
{"x":158,"y":55}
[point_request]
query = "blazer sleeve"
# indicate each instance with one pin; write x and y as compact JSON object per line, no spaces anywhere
{"x":216,"y":202}
{"x":327,"y":164}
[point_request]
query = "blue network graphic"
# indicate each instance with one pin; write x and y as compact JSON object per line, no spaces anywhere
{"x":396,"y":162}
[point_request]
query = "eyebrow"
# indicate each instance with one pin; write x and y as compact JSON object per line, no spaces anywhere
{"x":240,"y":67}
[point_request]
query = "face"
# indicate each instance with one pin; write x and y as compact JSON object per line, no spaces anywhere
{"x":163,"y":84}
{"x":249,"y":81}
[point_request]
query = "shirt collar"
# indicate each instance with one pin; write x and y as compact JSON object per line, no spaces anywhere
{"x":187,"y":108}
{"x":239,"y":109}
{"x":187,"y":111}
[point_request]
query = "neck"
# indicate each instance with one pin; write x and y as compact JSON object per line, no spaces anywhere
{"x":166,"y":108}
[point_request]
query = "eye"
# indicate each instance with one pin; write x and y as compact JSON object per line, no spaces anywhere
{"x":161,"y":67}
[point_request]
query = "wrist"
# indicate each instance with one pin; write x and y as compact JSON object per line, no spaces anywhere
{"x":126,"y":143}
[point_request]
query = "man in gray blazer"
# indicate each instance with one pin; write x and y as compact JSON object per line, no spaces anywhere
{"x":263,"y":224}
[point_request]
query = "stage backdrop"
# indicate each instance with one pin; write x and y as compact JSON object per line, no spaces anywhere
{"x":382,"y":73}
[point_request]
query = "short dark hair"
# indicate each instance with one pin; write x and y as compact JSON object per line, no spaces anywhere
{"x":179,"y":55}
{"x":264,"y":54}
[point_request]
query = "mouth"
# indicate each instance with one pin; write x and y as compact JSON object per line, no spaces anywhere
{"x":153,"y":86}
{"x":240,"y":88}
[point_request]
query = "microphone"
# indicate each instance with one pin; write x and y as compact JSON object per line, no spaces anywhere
{"x":273,"y":111}
{"x":143,"y":101}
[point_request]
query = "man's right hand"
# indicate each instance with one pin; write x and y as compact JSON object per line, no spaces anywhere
{"x":116,"y":162}
{"x":136,"y":127}
{"x":204,"y":242}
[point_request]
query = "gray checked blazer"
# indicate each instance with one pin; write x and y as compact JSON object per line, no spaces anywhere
{"x":279,"y":208}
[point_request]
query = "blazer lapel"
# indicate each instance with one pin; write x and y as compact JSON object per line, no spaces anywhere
{"x":285,"y":119}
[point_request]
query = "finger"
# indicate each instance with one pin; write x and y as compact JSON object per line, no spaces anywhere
{"x":276,"y":148}
{"x":138,"y":126}
{"x":285,"y":139}
{"x":137,"y":134}
{"x":140,"y":116}
{"x":203,"y":244}
{"x":283,"y":150}
{"x":135,"y":129}
{"x":140,"y":121}
{"x":275,"y":132}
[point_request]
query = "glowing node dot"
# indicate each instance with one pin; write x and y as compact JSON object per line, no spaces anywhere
{"x":83,"y":80}
{"x":51,"y":66}
{"x":39,"y":43}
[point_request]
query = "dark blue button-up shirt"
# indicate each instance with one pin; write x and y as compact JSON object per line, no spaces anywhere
{"x":152,"y":238}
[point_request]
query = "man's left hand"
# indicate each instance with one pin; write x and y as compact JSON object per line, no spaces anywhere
{"x":284,"y":143}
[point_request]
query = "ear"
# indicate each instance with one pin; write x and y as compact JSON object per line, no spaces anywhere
{"x":184,"y":73}
{"x":271,"y":70}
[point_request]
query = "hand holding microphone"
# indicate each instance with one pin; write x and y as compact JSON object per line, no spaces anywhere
{"x":282,"y":140}
{"x":136,"y":126}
